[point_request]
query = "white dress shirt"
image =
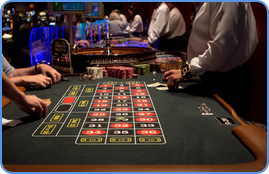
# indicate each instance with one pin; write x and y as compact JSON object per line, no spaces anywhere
{"x":159,"y":23}
{"x":136,"y":25}
{"x":123,"y":18}
{"x":223,"y":37}
{"x":177,"y":24}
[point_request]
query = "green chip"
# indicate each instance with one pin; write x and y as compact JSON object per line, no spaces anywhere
{"x":120,"y":118}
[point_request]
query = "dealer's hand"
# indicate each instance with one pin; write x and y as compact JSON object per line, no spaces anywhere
{"x":172,"y":77}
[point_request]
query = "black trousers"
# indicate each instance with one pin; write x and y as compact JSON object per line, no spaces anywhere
{"x":164,"y":44}
{"x":234,"y":87}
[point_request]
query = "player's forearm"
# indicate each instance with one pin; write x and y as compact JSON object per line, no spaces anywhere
{"x":23,"y":72}
{"x":19,"y":81}
{"x":10,"y":90}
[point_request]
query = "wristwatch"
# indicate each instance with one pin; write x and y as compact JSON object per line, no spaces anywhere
{"x":36,"y":70}
{"x":186,"y":72}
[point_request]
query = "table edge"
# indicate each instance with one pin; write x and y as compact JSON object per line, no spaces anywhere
{"x":253,"y":137}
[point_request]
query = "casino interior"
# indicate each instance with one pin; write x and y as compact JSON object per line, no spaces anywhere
{"x":77,"y":39}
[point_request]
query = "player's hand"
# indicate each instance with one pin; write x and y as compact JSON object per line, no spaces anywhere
{"x":87,"y":43}
{"x":37,"y":80}
{"x":46,"y":70}
{"x":145,"y":41}
{"x":83,"y":42}
{"x":33,"y":105}
{"x":172,"y":77}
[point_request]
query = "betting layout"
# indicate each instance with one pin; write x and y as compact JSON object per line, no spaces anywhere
{"x":106,"y":113}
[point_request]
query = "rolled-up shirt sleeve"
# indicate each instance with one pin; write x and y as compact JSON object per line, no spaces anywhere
{"x":137,"y":24}
{"x":229,"y":41}
{"x":159,"y":24}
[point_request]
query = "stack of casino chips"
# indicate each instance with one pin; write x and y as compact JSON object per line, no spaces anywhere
{"x":120,"y":72}
{"x":104,"y":71}
{"x":142,"y":69}
{"x":129,"y":72}
{"x":109,"y":71}
{"x":95,"y":72}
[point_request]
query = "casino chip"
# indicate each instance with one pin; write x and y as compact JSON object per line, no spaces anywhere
{"x":120,"y":118}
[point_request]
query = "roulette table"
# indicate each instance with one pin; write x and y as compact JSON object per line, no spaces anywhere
{"x":123,"y":125}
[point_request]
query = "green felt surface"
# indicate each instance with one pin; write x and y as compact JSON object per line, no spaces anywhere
{"x":191,"y":138}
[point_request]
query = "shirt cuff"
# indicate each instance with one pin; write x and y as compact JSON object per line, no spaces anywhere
{"x":195,"y":67}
